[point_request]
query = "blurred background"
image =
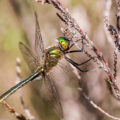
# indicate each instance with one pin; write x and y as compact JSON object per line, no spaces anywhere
{"x":17,"y":23}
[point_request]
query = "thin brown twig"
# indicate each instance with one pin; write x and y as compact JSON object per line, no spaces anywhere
{"x":118,"y":17}
{"x":106,"y":21}
{"x":96,"y":106}
{"x":111,"y":31}
{"x":115,"y":62}
{"x":12,"y":110}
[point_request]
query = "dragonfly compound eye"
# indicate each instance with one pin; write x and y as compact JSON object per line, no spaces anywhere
{"x":63,"y":43}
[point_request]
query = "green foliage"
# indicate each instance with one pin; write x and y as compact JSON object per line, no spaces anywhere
{"x":11,"y":39}
{"x":109,"y":85}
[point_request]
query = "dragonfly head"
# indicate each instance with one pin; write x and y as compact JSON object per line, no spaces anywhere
{"x":63,"y":43}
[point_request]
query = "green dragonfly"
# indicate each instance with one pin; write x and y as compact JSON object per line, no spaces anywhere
{"x":46,"y":59}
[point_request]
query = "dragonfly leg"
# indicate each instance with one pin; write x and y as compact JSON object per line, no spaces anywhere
{"x":76,"y":42}
{"x":73,"y":51}
{"x":76,"y":65}
{"x":71,"y":45}
{"x":84,"y":62}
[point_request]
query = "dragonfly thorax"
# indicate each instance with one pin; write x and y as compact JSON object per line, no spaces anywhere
{"x":53,"y":55}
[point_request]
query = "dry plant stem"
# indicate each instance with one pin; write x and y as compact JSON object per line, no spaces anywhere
{"x":118,"y":17}
{"x":73,"y":24}
{"x":91,"y":101}
{"x":117,"y":41}
{"x":117,"y":32}
{"x":115,"y":62}
{"x":96,"y":106}
{"x":106,"y":21}
{"x":110,"y":30}
{"x":18,"y":78}
{"x":12,"y":110}
{"x":26,"y":110}
{"x":115,"y":35}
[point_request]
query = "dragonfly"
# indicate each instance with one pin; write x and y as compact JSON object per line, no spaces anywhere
{"x":44,"y":60}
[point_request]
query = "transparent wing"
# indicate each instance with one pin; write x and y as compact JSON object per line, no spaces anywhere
{"x":30,"y":59}
{"x":39,"y":46}
{"x":54,"y":94}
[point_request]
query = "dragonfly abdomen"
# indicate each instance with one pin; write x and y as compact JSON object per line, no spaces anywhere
{"x":18,"y":86}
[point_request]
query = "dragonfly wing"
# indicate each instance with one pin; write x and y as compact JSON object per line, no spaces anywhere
{"x":39,"y":46}
{"x":30,"y":59}
{"x":54,"y":94}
